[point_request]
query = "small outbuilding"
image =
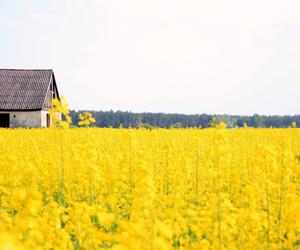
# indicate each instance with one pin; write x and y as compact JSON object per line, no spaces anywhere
{"x":26,"y":97}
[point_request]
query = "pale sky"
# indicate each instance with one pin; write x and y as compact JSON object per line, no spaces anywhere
{"x":178,"y":56}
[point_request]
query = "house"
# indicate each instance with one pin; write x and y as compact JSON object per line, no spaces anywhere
{"x":25,"y":97}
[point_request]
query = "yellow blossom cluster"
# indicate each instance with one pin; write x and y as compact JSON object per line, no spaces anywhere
{"x":130,"y":189}
{"x":60,"y":107}
{"x":86,"y":119}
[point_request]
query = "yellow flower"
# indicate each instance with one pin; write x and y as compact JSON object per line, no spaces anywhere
{"x":105,"y":219}
{"x":9,"y":242}
{"x":85,"y":119}
{"x":60,"y":108}
{"x":139,"y":189}
{"x":164,"y":230}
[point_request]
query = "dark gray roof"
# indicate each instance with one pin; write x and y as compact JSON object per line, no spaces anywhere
{"x":24,"y":89}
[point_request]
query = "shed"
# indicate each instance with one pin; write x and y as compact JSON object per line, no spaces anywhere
{"x":26,"y":96}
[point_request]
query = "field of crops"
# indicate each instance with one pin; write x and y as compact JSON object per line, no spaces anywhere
{"x":149,"y":189}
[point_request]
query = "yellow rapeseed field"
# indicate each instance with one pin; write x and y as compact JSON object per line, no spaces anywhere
{"x":155,"y":189}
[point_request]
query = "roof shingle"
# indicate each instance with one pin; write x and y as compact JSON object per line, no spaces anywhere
{"x":24,"y":89}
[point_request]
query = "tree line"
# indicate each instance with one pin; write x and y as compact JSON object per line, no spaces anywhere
{"x":116,"y":119}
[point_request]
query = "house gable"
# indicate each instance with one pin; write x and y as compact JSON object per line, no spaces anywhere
{"x":52,"y":93}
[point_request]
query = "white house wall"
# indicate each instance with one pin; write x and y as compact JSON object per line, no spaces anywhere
{"x":31,"y":119}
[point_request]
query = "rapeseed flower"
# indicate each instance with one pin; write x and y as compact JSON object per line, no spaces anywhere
{"x":139,"y":189}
